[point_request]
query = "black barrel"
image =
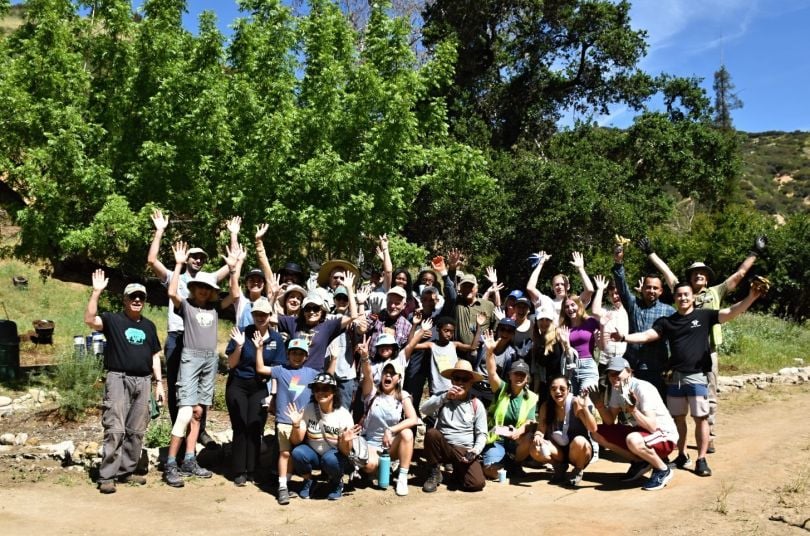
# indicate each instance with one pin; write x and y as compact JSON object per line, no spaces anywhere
{"x":9,"y":349}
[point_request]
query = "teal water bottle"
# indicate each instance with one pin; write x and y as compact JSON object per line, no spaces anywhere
{"x":384,"y":474}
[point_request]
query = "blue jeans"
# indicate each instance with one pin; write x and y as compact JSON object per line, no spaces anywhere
{"x":586,"y":375}
{"x":332,"y":462}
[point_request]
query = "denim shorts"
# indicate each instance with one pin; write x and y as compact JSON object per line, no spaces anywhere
{"x":195,"y":382}
{"x":494,"y":453}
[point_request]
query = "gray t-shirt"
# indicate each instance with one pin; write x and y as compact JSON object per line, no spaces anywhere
{"x":200,"y":326}
{"x":383,"y":412}
{"x":175,"y":320}
{"x":441,"y":358}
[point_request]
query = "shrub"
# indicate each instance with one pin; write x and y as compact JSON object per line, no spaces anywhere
{"x":80,"y":385}
{"x":159,"y":432}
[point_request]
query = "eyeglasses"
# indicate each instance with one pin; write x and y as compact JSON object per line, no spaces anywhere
{"x":137,"y":297}
{"x":459,"y":378}
{"x":313,"y":309}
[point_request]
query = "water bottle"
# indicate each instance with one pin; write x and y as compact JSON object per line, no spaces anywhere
{"x":384,"y":474}
{"x":78,"y":345}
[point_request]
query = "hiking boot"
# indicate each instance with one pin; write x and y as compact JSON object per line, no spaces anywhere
{"x":171,"y":476}
{"x":560,"y":470}
{"x":192,"y":468}
{"x":132,"y":479}
{"x":306,"y":489}
{"x":658,"y":479}
{"x":683,"y":461}
{"x":575,"y":478}
{"x":402,"y":485}
{"x":283,"y":497}
{"x":106,"y":487}
{"x":240,"y":480}
{"x":433,"y":481}
{"x":702,"y":468}
{"x":636,"y":471}
{"x":337,"y":491}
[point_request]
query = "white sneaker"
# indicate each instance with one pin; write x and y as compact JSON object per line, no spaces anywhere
{"x":402,"y":486}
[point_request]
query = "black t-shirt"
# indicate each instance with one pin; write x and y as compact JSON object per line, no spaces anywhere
{"x":688,"y":337}
{"x":130,"y":344}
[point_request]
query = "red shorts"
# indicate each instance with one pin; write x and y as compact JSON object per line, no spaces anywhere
{"x":617,"y":435}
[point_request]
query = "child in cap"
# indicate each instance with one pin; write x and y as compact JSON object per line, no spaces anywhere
{"x":198,"y":362}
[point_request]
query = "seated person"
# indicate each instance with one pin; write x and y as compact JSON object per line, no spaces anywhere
{"x":652,"y":436}
{"x":510,"y":417}
{"x":564,"y":425}
{"x":388,"y":420}
{"x":460,"y":433}
{"x":319,"y":435}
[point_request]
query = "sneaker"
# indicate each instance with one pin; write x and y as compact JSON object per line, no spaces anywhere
{"x":433,"y":481}
{"x":106,"y":487}
{"x":711,"y":449}
{"x":171,"y":476}
{"x":636,"y":471}
{"x":132,"y":479}
{"x":658,"y":479}
{"x":402,"y":486}
{"x":283,"y":497}
{"x":683,"y":461}
{"x":305,"y":489}
{"x":560,"y":470}
{"x":192,"y":468}
{"x":240,"y":480}
{"x":337,"y":491}
{"x":575,"y":478}
{"x":702,"y":468}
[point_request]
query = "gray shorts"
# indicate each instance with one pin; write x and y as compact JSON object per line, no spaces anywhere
{"x":195,"y":382}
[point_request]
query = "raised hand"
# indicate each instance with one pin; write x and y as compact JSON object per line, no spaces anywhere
{"x":237,"y":336}
{"x":274,"y":285}
{"x":645,"y":245}
{"x":180,"y":250}
{"x":564,"y":334}
{"x":455,"y":258}
{"x":349,"y":280}
{"x":314,"y":262}
{"x":640,"y":285}
{"x":362,"y":294}
{"x":99,"y":280}
{"x":427,"y":328}
{"x":601,"y":282}
{"x":489,"y":340}
{"x":234,"y":225}
{"x":294,"y":414}
{"x":261,"y":230}
{"x":258,"y":340}
{"x":234,"y":255}
{"x":499,"y":314}
{"x":437,"y":263}
{"x":577,"y":260}
{"x":538,"y":258}
{"x":417,"y":317}
{"x":491,"y":275}
{"x":159,"y":220}
{"x":362,"y":347}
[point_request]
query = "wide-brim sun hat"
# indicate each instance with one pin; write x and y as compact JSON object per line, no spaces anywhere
{"x":294,"y":288}
{"x":328,"y":266}
{"x":324,"y":378}
{"x":698,"y":266}
{"x":205,"y":279}
{"x":462,"y":365}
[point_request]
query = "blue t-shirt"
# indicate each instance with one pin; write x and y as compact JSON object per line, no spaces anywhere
{"x":319,"y":336}
{"x":292,"y":385}
{"x":274,"y":353}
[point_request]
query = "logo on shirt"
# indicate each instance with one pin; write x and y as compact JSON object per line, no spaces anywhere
{"x":135,"y":336}
{"x":296,"y":387}
{"x":695,"y":323}
{"x":205,"y":319}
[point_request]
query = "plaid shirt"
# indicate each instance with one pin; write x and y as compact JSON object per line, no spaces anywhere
{"x":641,"y":318}
{"x":400,"y":329}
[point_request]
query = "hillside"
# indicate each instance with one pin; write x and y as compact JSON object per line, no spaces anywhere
{"x":12,"y":20}
{"x":776,"y":171}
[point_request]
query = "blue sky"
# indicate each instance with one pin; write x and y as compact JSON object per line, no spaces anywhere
{"x":763,"y":43}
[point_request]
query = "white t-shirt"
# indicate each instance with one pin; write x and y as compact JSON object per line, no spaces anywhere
{"x":322,"y":434}
{"x":647,"y":399}
{"x":441,"y":358}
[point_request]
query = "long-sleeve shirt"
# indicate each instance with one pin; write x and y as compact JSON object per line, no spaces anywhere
{"x":462,"y":422}
{"x":641,"y":318}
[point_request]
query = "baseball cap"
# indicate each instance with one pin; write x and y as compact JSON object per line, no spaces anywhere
{"x":468,"y":278}
{"x":323,"y":379}
{"x":507,"y":322}
{"x":617,"y":364}
{"x":298,"y":344}
{"x":132,"y":288}
{"x":396,"y":365}
{"x":398,"y":291}
{"x":197,"y":251}
{"x":262,"y":305}
{"x":341,"y":291}
{"x":386,"y":339}
{"x":519,"y":366}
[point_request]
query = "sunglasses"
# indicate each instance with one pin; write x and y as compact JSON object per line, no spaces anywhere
{"x":321,"y":388}
{"x":460,"y":378}
{"x":313,"y":309}
{"x":137,"y":297}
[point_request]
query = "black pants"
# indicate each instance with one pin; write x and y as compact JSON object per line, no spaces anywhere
{"x":244,"y":398}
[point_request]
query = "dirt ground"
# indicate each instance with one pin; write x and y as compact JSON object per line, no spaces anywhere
{"x":761,"y":485}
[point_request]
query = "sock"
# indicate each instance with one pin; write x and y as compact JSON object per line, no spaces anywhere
{"x":403,"y":471}
{"x":171,"y":460}
{"x":282,"y":482}
{"x":188,"y":457}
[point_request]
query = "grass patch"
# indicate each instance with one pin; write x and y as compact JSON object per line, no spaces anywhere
{"x":721,"y":502}
{"x":159,"y":432}
{"x":760,"y":343}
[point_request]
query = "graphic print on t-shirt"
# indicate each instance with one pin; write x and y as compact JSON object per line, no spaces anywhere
{"x":297,"y":387}
{"x":205,"y":319}
{"x":135,"y":336}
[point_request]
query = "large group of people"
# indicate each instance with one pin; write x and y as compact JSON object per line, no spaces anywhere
{"x":344,"y":366}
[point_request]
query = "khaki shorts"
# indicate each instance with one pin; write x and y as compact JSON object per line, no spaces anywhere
{"x":283,"y":432}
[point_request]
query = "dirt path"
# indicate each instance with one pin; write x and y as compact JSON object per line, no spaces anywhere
{"x":761,"y":469}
